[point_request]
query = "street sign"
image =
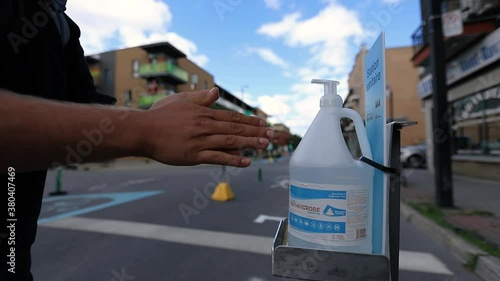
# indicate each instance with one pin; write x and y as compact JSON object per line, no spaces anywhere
{"x":375,"y":87}
{"x":452,"y":23}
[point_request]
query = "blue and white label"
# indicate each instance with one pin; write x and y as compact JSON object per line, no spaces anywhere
{"x":328,"y":212}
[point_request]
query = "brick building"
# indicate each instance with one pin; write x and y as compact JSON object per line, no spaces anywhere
{"x":402,"y":100}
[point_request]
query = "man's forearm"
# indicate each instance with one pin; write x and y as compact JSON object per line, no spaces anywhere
{"x":178,"y":130}
{"x":38,"y":133}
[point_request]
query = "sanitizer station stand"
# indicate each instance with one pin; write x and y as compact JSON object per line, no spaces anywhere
{"x":382,"y":264}
{"x":326,"y":265}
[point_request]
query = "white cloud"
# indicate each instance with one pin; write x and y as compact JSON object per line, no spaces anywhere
{"x":332,"y":37}
{"x":131,"y":23}
{"x":275,"y":105}
{"x":269,"y":56}
{"x":273,"y":4}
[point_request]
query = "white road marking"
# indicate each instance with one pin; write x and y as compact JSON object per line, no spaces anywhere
{"x":282,"y":181}
{"x":408,"y":260}
{"x":138,"y":181}
{"x":263,"y":218}
{"x":256,"y":279}
{"x":229,"y":241}
{"x":422,"y":262}
{"x":97,"y":186}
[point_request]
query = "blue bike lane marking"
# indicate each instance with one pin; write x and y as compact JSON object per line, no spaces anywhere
{"x":55,"y":208}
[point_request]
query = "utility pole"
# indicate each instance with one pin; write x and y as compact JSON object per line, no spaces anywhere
{"x":440,"y":117}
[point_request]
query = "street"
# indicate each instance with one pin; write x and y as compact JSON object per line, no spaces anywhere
{"x":155,"y":222}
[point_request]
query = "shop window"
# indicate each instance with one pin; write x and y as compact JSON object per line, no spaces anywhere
{"x":493,"y":144}
{"x":469,"y":140}
{"x":476,"y":123}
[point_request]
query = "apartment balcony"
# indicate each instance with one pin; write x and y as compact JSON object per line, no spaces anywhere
{"x":171,"y":72}
{"x":478,"y":17}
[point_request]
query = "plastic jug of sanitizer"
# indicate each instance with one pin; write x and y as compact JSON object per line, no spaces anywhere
{"x":330,"y":191}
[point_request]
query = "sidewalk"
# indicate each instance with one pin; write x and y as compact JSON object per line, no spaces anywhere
{"x":477,"y":210}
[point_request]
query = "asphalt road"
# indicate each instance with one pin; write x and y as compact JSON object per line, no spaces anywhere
{"x":152,"y":222}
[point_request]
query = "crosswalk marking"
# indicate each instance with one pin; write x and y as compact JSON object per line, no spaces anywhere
{"x":207,"y":238}
{"x":422,"y":262}
{"x":408,"y":260}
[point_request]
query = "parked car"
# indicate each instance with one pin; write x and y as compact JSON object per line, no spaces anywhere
{"x":414,"y":156}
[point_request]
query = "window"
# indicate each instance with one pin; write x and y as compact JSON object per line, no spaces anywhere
{"x":128,"y":98}
{"x":476,"y":123}
{"x":469,"y":139}
{"x":135,"y":68}
{"x":493,"y":143}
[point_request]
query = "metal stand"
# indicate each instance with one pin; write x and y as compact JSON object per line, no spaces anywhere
{"x":326,"y":265}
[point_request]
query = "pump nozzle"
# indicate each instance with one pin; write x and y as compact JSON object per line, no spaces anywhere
{"x":330,"y":98}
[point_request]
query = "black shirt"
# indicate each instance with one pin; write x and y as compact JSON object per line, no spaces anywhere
{"x":34,"y":61}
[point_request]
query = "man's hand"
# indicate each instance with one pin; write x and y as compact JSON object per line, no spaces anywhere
{"x":183,"y":130}
{"x":178,"y":130}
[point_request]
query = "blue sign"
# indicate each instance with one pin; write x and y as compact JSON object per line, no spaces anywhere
{"x":375,"y":89}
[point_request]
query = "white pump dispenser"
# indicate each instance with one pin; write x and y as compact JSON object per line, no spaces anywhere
{"x":330,"y":191}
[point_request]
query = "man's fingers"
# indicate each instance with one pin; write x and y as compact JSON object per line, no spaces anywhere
{"x":232,"y":142}
{"x":205,"y":98}
{"x":233,"y":152}
{"x":228,"y":128}
{"x":222,"y":158}
{"x":235,"y":117}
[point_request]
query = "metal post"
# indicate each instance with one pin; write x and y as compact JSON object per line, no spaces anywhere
{"x":58,"y":187}
{"x":441,"y":128}
{"x":223,"y":176}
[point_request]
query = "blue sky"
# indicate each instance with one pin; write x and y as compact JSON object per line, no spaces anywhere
{"x":274,"y":47}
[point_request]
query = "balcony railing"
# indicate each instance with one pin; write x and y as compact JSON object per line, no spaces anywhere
{"x":472,"y":11}
{"x":420,"y":37}
{"x":147,"y":100}
{"x":163,"y":69}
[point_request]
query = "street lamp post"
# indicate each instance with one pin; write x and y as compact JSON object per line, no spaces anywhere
{"x":441,"y":128}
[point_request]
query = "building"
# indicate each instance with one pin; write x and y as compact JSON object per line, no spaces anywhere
{"x":402,"y":100}
{"x":139,"y":76}
{"x":473,"y":86}
{"x":281,"y":138}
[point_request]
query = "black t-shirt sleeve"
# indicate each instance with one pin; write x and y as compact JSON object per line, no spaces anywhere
{"x":80,"y":82}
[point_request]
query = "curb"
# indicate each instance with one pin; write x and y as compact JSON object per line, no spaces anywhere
{"x":487,"y":267}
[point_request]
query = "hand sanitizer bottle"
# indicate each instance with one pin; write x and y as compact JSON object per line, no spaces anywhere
{"x":330,"y":191}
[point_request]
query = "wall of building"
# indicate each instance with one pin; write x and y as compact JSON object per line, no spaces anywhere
{"x":402,"y":78}
{"x":356,"y":81}
{"x":124,"y":78}
{"x":205,"y":79}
